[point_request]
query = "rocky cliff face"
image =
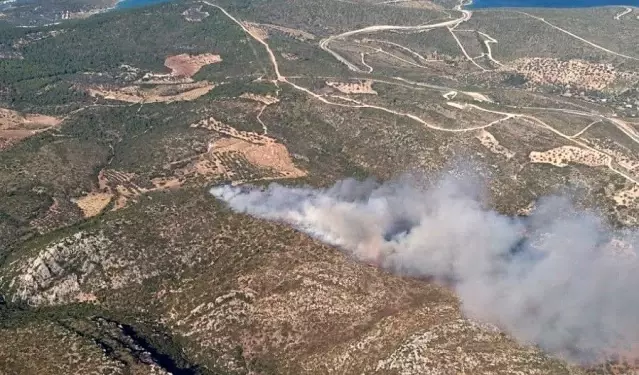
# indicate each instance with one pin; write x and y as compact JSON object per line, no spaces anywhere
{"x":59,"y":271}
{"x":74,"y":269}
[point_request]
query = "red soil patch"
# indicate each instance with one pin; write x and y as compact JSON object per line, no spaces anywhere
{"x":13,"y":120}
{"x":271,"y":155}
{"x":15,"y":126}
{"x":186,"y":65}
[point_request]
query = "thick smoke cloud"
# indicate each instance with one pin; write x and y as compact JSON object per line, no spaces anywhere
{"x":552,"y":278}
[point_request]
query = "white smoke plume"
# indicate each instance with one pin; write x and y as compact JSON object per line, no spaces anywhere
{"x":551,"y":279}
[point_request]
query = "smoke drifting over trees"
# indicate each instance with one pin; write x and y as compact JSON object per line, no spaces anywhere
{"x":552,"y":278}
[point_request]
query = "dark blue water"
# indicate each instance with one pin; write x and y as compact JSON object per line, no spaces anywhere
{"x":138,"y":3}
{"x":550,"y":3}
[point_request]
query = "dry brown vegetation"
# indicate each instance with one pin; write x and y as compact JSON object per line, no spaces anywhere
{"x":15,"y":126}
{"x":93,"y":203}
{"x":361,"y":87}
{"x":261,"y":29}
{"x":264,"y":99}
{"x":57,"y":352}
{"x":14,"y":120}
{"x":270,"y":155}
{"x":562,"y":156}
{"x":156,"y":94}
{"x":258,"y":297}
{"x":96,"y":201}
{"x":490,"y":142}
{"x":164,"y":88}
{"x":290,"y":56}
{"x":624,"y":157}
{"x":186,"y":65}
{"x":318,"y":312}
{"x":239,"y":157}
{"x":286,"y":297}
{"x":126,"y":187}
{"x":628,"y":197}
{"x":258,"y":150}
{"x":256,"y":30}
{"x":117,"y":186}
{"x":217,"y":126}
{"x":578,"y":74}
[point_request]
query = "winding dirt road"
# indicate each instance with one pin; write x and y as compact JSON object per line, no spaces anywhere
{"x":280,"y":78}
{"x":324,"y":43}
{"x":623,"y":13}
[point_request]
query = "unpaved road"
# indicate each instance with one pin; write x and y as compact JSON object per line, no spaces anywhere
{"x":623,"y":13}
{"x":280,"y":78}
{"x":324,"y":43}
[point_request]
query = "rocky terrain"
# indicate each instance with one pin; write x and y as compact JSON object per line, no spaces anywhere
{"x":115,"y":259}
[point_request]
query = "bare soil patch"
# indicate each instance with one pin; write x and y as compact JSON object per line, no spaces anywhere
{"x":182,"y":67}
{"x":627,"y":197}
{"x":562,"y":156}
{"x":491,"y":143}
{"x":456,"y":105}
{"x":271,"y":155}
{"x":625,"y":158}
{"x":360,"y":87}
{"x":261,"y":29}
{"x":257,"y":150}
{"x":478,"y":96}
{"x":290,"y":56}
{"x":93,"y":203}
{"x":576,"y":73}
{"x":256,"y":30}
{"x":243,"y":156}
{"x":186,"y":65}
{"x":97,"y":200}
{"x":217,"y":126}
{"x":13,"y":120}
{"x":158,"y":94}
{"x":15,"y":126}
{"x":264,"y":99}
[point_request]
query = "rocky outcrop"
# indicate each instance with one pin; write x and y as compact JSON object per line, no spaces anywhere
{"x":55,"y":275}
